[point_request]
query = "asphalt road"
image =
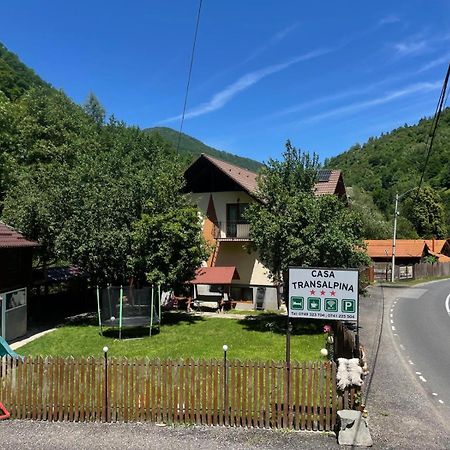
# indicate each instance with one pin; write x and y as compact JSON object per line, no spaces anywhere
{"x":403,"y":412}
{"x":421,"y":330}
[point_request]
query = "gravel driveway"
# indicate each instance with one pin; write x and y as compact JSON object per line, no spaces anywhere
{"x":21,"y":434}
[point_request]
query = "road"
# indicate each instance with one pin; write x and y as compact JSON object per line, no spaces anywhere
{"x":421,"y":328}
{"x":406,"y":332}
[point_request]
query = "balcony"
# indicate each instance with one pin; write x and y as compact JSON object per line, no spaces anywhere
{"x":231,"y":231}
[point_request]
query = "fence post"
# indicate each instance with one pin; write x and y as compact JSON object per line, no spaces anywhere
{"x":105,"y":388}
{"x":225,"y":385}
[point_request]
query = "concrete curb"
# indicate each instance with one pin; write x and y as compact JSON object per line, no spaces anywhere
{"x":25,"y":341}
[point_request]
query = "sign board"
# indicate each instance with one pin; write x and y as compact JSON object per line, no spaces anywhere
{"x":322,"y":293}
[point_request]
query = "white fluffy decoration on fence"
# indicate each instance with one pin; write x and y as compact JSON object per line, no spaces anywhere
{"x":348,"y":373}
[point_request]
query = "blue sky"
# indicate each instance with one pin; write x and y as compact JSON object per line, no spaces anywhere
{"x":324,"y":74}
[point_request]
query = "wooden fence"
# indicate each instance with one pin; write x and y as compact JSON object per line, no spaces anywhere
{"x":250,"y":394}
{"x":416,"y":271}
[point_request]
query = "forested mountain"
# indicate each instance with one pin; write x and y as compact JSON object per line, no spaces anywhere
{"x":393,"y":163}
{"x":16,"y":77}
{"x":194,"y":147}
{"x":103,"y":196}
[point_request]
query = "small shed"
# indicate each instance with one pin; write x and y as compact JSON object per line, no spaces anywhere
{"x":16,"y":253}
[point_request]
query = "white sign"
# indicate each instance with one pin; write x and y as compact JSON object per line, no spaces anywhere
{"x":321,"y":293}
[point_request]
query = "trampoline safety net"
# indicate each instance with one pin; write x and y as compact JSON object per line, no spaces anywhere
{"x":136,"y":306}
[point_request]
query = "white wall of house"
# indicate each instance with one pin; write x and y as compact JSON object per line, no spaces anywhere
{"x":234,"y":253}
{"x":220,"y":199}
{"x":251,"y":271}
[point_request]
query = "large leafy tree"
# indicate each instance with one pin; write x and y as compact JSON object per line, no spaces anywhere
{"x":291,"y":226}
{"x":426,"y":212}
{"x":167,"y":244}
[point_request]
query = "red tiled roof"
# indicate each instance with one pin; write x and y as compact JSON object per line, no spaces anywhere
{"x":406,"y":248}
{"x":435,"y":245}
{"x":330,"y":186}
{"x":248,"y":180}
{"x":10,"y":238}
{"x":215,"y":275}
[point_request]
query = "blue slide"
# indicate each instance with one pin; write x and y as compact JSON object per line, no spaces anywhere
{"x":6,"y":350}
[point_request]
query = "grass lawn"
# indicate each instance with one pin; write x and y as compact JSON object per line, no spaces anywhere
{"x":260,"y":337}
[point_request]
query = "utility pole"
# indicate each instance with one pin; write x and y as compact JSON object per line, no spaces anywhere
{"x":394,"y":238}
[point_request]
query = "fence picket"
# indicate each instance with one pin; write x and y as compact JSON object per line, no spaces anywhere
{"x":186,"y":391}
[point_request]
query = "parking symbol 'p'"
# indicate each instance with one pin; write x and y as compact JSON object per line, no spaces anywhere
{"x":348,"y":305}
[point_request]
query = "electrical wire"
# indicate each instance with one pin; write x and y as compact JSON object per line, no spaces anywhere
{"x":433,"y":128}
{"x":191,"y":64}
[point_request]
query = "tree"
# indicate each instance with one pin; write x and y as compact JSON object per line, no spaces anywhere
{"x":94,"y":109}
{"x":168,"y":245}
{"x":374,"y":225}
{"x":291,"y":226}
{"x":284,"y":193}
{"x":426,"y":212}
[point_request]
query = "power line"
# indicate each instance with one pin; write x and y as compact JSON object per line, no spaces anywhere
{"x":433,"y":128}
{"x":189,"y":74}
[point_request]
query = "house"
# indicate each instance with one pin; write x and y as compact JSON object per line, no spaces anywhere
{"x":15,"y":275}
{"x":222,"y":192}
{"x":407,"y":251}
{"x":440,"y":248}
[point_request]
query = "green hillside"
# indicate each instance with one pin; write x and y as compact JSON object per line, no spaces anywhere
{"x":16,"y":77}
{"x":195,"y":147}
{"x":393,"y":163}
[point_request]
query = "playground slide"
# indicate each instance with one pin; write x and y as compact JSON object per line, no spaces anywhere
{"x":6,"y":350}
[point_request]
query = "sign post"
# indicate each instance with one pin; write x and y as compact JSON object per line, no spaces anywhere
{"x":324,"y":294}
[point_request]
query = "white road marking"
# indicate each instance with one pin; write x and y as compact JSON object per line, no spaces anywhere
{"x":422,"y":379}
{"x":447,"y":304}
{"x":402,"y":346}
{"x":410,"y":362}
{"x":393,"y":328}
{"x":392,"y":321}
{"x":434,"y":393}
{"x":395,"y":334}
{"x":391,"y":315}
{"x":419,"y":373}
{"x":440,"y":401}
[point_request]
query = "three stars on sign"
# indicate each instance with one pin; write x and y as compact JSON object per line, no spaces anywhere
{"x":322,"y":292}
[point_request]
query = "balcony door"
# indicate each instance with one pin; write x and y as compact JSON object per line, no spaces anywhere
{"x":235,"y":213}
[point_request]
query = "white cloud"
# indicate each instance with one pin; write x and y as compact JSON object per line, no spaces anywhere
{"x":410,"y":47}
{"x":275,"y":39}
{"x":221,"y":98}
{"x":389,"y":97}
{"x":436,"y":62}
{"x":391,"y":18}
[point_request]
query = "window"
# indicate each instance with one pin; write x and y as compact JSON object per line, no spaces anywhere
{"x":241,"y":294}
{"x":15,"y":299}
{"x":235,"y":216}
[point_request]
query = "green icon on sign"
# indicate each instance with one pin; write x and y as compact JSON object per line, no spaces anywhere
{"x":331,"y":304}
{"x":348,"y":305}
{"x":313,"y":304}
{"x":297,"y":303}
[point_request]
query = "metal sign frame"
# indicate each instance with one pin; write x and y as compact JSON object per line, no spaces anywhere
{"x":319,"y":312}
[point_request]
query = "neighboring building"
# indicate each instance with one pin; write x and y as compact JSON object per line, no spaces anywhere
{"x":15,"y":275}
{"x":439,"y":248}
{"x":407,"y":251}
{"x":222,"y":192}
